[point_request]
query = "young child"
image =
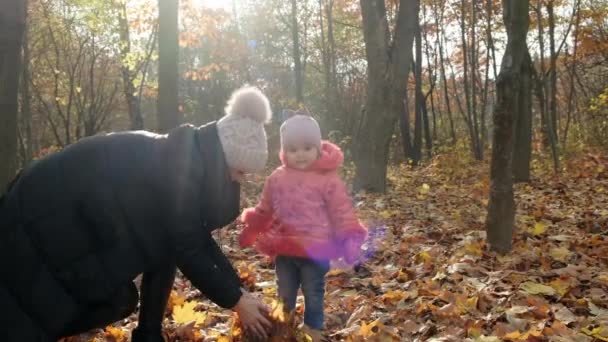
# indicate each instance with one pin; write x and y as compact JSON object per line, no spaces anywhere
{"x":304,"y":218}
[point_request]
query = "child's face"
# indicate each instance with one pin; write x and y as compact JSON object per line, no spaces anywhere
{"x":301,"y":156}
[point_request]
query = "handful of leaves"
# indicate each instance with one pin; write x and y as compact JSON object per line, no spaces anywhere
{"x":284,"y":327}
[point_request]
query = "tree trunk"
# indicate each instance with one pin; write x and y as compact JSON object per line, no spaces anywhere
{"x":297,"y":58}
{"x":430,"y":68}
{"x":12,"y":25}
{"x":135,"y":116}
{"x":474,"y":71}
{"x":168,"y":52}
{"x":490,"y":13}
{"x":552,"y":94}
{"x":332,"y":52}
{"x":388,"y":67}
{"x":428,"y":139}
{"x":542,"y":92}
{"x":327,"y":47}
{"x":467,"y":84}
{"x":571,"y":98}
{"x":552,"y":98}
{"x":334,"y":90}
{"x":501,"y":206}
{"x":418,"y":100}
{"x":444,"y":77}
{"x":26,"y":108}
{"x":487,"y":98}
{"x":522,"y":148}
{"x":404,"y":126}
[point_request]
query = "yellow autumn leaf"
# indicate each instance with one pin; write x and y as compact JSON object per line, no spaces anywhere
{"x":369,"y":330}
{"x":535,"y":288}
{"x":425,"y":256}
{"x":269,"y":291}
{"x":473,"y":249}
{"x":468,"y":304}
{"x":116,"y":333}
{"x":348,"y":293}
{"x":474,"y":332}
{"x":484,"y":338}
{"x":595,"y":332}
{"x":560,"y":254}
{"x":175,"y":299}
{"x":603,"y":277}
{"x":335,"y":272}
{"x":278,"y":312}
{"x":515,"y":335}
{"x":223,"y":339}
{"x":424,"y":189}
{"x":539,"y":228}
{"x":385,"y":214}
{"x":185,"y":314}
{"x":397,"y":295}
{"x":560,"y":285}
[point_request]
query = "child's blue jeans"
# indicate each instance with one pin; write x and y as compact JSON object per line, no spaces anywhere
{"x":293,"y":272}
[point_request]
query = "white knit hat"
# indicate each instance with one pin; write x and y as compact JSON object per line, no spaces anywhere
{"x":241,"y":130}
{"x":300,"y":128}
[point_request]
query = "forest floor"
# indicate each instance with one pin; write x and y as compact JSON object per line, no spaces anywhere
{"x":427,"y":274}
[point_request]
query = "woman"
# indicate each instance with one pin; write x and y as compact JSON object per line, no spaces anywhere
{"x":78,"y":226}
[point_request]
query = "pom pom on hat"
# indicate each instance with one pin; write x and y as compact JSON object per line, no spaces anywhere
{"x":249,"y":102}
{"x":241,"y":130}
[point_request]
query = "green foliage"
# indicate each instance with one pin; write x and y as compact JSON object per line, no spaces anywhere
{"x":598,"y":114}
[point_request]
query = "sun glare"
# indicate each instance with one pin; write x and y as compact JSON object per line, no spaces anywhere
{"x":225,"y":4}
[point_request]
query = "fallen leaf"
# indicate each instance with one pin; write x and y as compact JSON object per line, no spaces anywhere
{"x":115,"y":334}
{"x":535,"y":288}
{"x":369,"y":330}
{"x":539,"y":228}
{"x":185,"y":314}
{"x":561,"y":254}
{"x":564,"y":315}
{"x":597,"y":332}
{"x":560,"y":285}
{"x":348,"y":293}
{"x":424,"y":189}
{"x":484,"y":338}
{"x":425,"y":257}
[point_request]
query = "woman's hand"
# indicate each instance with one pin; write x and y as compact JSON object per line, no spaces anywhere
{"x":253,"y":314}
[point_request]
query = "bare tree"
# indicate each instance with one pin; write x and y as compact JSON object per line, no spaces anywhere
{"x":468,"y":51}
{"x":27,"y":141}
{"x":572,"y":75}
{"x":328,"y":56}
{"x":131,"y":69}
{"x":297,"y":58}
{"x":388,"y":65}
{"x":438,"y":14}
{"x":12,"y":25}
{"x":74,"y":87}
{"x":168,"y":51}
{"x":522,"y":149}
{"x":501,"y":206}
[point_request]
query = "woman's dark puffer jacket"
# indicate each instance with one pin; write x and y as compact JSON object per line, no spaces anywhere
{"x":81,"y":223}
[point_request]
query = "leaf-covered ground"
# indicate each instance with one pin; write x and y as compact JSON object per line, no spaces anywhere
{"x":427,"y":274}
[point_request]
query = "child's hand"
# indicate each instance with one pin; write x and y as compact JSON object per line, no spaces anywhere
{"x":247,"y":238}
{"x":351,"y":251}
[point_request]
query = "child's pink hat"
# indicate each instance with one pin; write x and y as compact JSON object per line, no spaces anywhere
{"x":300,"y":128}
